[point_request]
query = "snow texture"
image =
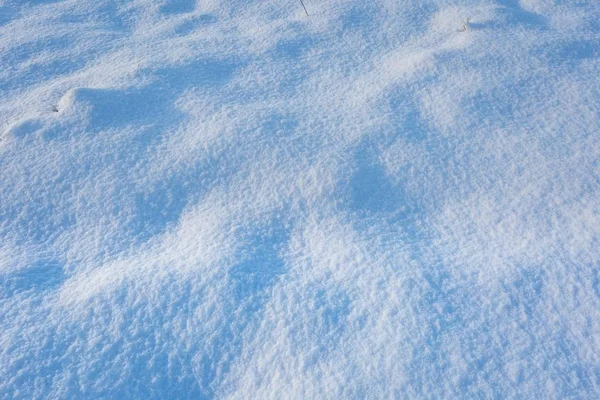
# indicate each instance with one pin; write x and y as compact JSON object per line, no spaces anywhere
{"x":229,"y":199}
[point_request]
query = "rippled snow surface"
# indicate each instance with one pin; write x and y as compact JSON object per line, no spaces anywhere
{"x":229,"y":199}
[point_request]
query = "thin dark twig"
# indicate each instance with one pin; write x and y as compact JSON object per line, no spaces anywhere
{"x":301,"y":2}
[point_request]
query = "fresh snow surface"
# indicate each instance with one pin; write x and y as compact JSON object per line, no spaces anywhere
{"x":229,"y":199}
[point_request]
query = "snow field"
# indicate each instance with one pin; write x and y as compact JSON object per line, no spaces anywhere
{"x":236,"y":201}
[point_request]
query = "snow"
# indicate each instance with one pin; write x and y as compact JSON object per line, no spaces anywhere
{"x":230,"y":199}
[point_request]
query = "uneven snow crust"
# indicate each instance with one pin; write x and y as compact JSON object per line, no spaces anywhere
{"x":229,"y":199}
